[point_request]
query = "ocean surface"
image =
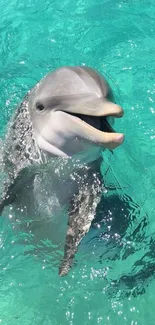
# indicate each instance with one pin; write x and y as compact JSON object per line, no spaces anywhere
{"x":113,"y":278}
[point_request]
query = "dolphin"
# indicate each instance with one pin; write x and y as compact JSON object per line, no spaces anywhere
{"x":52,"y":149}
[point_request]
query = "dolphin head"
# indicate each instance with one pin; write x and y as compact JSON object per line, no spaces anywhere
{"x":70,"y":108}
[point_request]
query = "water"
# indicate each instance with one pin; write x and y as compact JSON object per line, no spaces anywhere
{"x":112,"y":281}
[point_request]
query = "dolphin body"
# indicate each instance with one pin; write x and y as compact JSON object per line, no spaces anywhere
{"x":51,"y":152}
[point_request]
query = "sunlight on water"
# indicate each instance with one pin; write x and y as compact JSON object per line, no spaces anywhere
{"x":112,"y":280}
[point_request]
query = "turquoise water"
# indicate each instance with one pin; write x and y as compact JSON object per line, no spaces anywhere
{"x":112,"y":281}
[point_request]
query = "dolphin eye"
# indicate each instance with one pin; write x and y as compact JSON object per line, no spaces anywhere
{"x":40,"y":106}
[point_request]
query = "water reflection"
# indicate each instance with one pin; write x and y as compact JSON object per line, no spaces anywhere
{"x":122,"y":236}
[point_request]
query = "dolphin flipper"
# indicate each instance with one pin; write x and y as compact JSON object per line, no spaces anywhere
{"x":81,"y":214}
{"x":12,"y":188}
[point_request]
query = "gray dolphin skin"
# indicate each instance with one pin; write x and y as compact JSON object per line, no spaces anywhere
{"x":52,"y":150}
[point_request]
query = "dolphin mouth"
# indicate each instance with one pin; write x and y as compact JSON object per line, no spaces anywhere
{"x":96,"y":129}
{"x":98,"y":122}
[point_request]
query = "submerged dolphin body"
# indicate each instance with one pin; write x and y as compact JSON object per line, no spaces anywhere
{"x":53,"y":146}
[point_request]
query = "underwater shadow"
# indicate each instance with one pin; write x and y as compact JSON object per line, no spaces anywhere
{"x":119,"y":220}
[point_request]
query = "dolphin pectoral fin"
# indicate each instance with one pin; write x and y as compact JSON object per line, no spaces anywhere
{"x":79,"y":222}
{"x":11,"y":189}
